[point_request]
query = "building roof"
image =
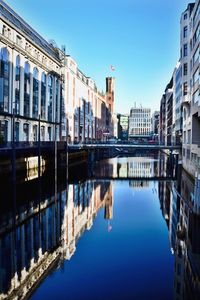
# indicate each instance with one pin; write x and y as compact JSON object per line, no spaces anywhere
{"x":189,"y":8}
{"x":12,"y":17}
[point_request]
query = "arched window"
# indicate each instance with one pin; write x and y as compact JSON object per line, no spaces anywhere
{"x":42,"y":133}
{"x":4,"y":80}
{"x":50,"y":98}
{"x":50,"y":133}
{"x":17,"y":131}
{"x":17,"y":85}
{"x":26,"y":89}
{"x":43,"y":95}
{"x":3,"y":131}
{"x":184,"y":113}
{"x":35,"y":92}
{"x":26,"y":132}
{"x":35,"y":133}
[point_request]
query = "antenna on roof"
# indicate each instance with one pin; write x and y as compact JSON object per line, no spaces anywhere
{"x":63,"y":49}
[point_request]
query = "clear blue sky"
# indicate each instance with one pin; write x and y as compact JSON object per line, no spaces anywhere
{"x":140,"y":38}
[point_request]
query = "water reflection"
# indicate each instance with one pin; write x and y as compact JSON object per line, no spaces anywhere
{"x":180,"y":208}
{"x":153,"y":166}
{"x":43,"y":228}
{"x":40,"y":235}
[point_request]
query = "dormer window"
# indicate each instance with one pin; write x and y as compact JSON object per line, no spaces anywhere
{"x":9,"y":33}
{"x":18,"y":40}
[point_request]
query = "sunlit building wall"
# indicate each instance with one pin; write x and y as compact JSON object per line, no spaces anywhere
{"x":189,"y":60}
{"x":177,"y":106}
{"x":30,"y":82}
{"x":162,"y":132}
{"x":140,"y":122}
{"x":185,"y":57}
{"x":80,"y":102}
{"x":115,"y":125}
{"x":38,"y":81}
{"x":194,"y":137}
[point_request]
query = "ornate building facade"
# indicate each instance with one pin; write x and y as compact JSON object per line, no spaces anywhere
{"x":42,"y":88}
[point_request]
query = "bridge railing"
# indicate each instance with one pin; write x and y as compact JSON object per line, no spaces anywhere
{"x":60,"y":144}
{"x":112,"y":142}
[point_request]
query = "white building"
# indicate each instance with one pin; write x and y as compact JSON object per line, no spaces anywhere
{"x":177,"y":105}
{"x":140,"y":123}
{"x":41,"y":86}
{"x":80,"y":102}
{"x":30,"y":84}
{"x":190,"y":60}
{"x":115,"y":125}
{"x":185,"y":54}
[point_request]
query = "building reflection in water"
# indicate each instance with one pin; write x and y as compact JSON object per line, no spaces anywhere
{"x":129,"y":167}
{"x":180,"y":203}
{"x":40,"y":234}
{"x":44,"y":226}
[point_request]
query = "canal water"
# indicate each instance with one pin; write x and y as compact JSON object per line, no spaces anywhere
{"x":122,"y":228}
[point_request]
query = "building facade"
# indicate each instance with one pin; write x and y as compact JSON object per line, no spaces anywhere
{"x":177,"y":120}
{"x":192,"y":161}
{"x":30,"y":82}
{"x":43,"y":94}
{"x":169,"y":112}
{"x":140,"y":123}
{"x":155,"y":124}
{"x":115,"y":126}
{"x":123,"y":125}
{"x":162,"y":121}
{"x":186,"y":29}
{"x":180,"y":106}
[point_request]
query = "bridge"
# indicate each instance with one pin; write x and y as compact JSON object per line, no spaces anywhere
{"x":27,"y":146}
{"x":122,"y":146}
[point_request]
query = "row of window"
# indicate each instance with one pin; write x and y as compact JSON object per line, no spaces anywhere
{"x":46,"y":93}
{"x":193,"y":156}
{"x":25,"y":132}
{"x":186,"y":153}
{"x":28,"y":48}
{"x":145,"y":125}
{"x":136,"y":131}
{"x":139,"y":115}
{"x":187,"y":140}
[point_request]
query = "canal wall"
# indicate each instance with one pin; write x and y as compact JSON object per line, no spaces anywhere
{"x":28,"y":161}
